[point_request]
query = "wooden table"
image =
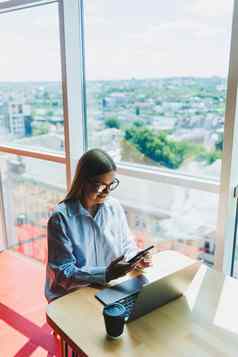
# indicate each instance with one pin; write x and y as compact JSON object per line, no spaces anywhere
{"x":202,"y":323}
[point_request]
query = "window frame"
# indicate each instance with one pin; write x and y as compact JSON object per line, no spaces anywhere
{"x":225,"y":234}
{"x":14,"y":5}
{"x":71,"y":38}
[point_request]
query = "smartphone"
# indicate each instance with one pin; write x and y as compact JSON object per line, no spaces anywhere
{"x":140,"y":255}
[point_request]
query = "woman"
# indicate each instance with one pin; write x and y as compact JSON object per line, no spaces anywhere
{"x":88,"y":235}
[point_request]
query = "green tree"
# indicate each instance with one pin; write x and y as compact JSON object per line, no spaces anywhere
{"x":41,"y":129}
{"x":211,"y":156}
{"x":157,"y":147}
{"x":219,"y":143}
{"x":138,"y":123}
{"x":112,"y":123}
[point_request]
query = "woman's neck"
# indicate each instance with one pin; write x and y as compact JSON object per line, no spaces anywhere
{"x":93,"y":210}
{"x":89,"y":206}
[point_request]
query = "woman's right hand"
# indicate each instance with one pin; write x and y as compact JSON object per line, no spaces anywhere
{"x":117,"y":268}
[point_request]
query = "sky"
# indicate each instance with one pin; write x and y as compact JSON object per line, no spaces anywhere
{"x":123,"y":39}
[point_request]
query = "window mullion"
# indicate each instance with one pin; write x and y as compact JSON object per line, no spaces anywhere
{"x":73,"y":82}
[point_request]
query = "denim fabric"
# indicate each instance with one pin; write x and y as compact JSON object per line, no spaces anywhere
{"x":80,"y":246}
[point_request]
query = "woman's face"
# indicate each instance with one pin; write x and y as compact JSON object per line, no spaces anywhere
{"x":98,"y":188}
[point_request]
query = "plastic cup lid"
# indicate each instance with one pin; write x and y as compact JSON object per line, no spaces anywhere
{"x":114,"y":310}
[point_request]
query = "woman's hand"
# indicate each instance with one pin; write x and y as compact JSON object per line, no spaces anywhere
{"x":145,"y":262}
{"x":117,"y":268}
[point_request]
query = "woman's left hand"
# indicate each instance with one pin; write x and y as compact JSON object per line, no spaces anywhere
{"x":145,"y":262}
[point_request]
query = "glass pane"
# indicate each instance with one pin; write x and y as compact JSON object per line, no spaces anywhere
{"x":235,"y":252}
{"x":156,"y":81}
{"x":171,"y":217}
{"x":31,"y":188}
{"x":31,"y":113}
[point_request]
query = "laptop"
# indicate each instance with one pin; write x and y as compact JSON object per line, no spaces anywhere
{"x":140,"y":295}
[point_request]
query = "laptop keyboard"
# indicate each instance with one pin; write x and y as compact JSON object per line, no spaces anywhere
{"x":129,"y":303}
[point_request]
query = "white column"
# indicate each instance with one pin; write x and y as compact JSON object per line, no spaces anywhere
{"x":229,"y":171}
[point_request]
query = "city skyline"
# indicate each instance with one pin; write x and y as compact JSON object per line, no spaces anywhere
{"x":186,"y":109}
{"x":117,"y":80}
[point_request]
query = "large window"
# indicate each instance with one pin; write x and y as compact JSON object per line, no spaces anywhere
{"x":170,"y":217}
{"x":31,"y":111}
{"x":156,"y":81}
{"x":32,"y":174}
{"x":30,"y":188}
{"x":146,"y":81}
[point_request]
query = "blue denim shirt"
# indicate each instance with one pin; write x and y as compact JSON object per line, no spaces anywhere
{"x":80,"y":246}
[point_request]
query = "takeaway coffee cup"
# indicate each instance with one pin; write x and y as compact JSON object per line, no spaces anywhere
{"x":114,"y":318}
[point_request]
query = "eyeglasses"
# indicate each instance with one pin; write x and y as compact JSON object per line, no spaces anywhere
{"x":101,"y":187}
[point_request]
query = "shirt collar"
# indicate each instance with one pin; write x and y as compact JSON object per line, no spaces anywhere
{"x":75,"y":208}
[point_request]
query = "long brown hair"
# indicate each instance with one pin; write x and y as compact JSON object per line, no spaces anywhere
{"x":93,"y":163}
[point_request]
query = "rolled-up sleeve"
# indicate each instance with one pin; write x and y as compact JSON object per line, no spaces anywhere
{"x":62,"y":270}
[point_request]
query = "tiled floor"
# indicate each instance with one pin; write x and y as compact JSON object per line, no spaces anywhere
{"x":23,"y":328}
